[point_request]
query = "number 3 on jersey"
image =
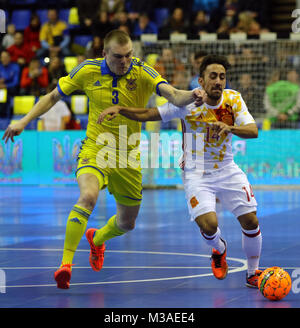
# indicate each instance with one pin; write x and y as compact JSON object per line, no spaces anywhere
{"x":115,"y":99}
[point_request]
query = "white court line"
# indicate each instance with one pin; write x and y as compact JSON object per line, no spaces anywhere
{"x":231,"y":269}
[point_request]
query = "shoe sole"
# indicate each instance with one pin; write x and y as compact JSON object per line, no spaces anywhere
{"x":250,"y":286}
{"x":63,"y":279}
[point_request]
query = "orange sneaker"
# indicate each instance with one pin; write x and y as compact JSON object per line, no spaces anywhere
{"x":63,"y":276}
{"x":97,"y":252}
{"x":252,"y":281}
{"x":218,"y":263}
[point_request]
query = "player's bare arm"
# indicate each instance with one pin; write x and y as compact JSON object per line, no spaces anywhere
{"x":137,"y":114}
{"x":41,"y":107}
{"x":247,"y":131}
{"x":181,"y":98}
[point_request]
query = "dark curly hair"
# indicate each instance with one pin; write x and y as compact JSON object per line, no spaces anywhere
{"x":213,"y":59}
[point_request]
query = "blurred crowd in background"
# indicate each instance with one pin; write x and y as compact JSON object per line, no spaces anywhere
{"x":34,"y":56}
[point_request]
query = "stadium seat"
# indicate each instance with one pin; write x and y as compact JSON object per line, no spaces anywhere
{"x":43,"y":15}
{"x":70,"y":63}
{"x":64,"y":15}
{"x":20,"y":18}
{"x":83,"y":121}
{"x":74,"y":18}
{"x":160,"y":16}
{"x":23,"y":104}
{"x":151,"y":59}
{"x":79,"y":104}
{"x":3,"y":95}
{"x":82,"y":40}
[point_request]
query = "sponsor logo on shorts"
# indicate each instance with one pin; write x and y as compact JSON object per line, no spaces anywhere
{"x":194,"y":202}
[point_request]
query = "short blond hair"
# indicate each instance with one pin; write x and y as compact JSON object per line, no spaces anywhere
{"x":119,"y":36}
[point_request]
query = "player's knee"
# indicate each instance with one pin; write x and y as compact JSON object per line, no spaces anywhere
{"x":127,"y":225}
{"x":210,"y":228}
{"x":208,"y":224}
{"x":249,"y":221}
{"x":88,"y":199}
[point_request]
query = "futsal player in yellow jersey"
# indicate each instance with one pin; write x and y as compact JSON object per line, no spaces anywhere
{"x":116,"y":79}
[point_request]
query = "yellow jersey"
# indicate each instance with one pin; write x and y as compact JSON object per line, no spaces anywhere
{"x":105,"y":89}
{"x":49,"y":31}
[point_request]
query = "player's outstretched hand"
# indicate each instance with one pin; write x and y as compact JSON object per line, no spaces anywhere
{"x":111,"y":112}
{"x":199,"y":96}
{"x":12,"y":131}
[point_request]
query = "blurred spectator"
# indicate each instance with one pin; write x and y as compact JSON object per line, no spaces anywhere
{"x":125,"y":28}
{"x":57,"y":117}
{"x":56,"y":70}
{"x":229,"y":19}
{"x":196,"y":62}
{"x":137,"y":7}
{"x":293,"y":76}
{"x":112,"y":7}
{"x":175,"y":24}
{"x":34,"y":79}
{"x":94,"y":48}
{"x":259,"y":10}
{"x":20,"y":52}
{"x":180,"y":80}
{"x":32,"y":33}
{"x":54,"y":37}
{"x":87,"y":12}
{"x":247,"y":24}
{"x":81,"y":59}
{"x":282,"y":103}
{"x":9,"y":80}
{"x":200,"y":24}
{"x":102,"y":25}
{"x":167,"y":65}
{"x":122,"y":19}
{"x":8,"y":39}
{"x":250,"y":92}
{"x":144,"y":26}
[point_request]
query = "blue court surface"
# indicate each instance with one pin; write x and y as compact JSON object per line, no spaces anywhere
{"x":163,"y":263}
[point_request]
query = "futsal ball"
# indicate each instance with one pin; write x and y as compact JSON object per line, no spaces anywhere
{"x":274,"y":283}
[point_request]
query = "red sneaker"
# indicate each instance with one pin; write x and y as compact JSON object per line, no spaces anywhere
{"x":218,"y":263}
{"x":63,"y":276}
{"x":252,"y":281}
{"x":97,"y":252}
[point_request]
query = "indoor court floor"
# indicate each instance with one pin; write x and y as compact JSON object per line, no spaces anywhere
{"x":163,"y":263}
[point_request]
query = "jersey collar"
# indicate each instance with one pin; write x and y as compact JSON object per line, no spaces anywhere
{"x":106,"y":70}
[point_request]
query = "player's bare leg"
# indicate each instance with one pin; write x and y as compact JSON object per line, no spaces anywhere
{"x":251,"y":243}
{"x":208,"y":224}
